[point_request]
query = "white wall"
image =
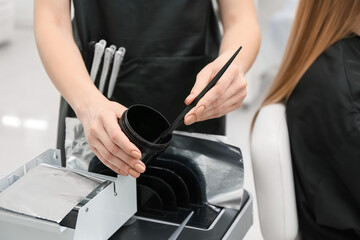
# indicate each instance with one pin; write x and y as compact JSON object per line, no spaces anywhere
{"x":24,"y":13}
{"x":6,"y":20}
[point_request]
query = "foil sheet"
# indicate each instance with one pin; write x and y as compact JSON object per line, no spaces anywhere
{"x":47,"y":192}
{"x":219,"y":167}
{"x":77,"y":151}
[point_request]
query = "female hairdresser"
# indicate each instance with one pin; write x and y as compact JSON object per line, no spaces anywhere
{"x":168,"y":45}
{"x":319,"y":80}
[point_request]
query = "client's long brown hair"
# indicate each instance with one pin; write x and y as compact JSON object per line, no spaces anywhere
{"x":318,"y":24}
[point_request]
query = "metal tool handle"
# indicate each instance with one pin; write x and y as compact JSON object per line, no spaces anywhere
{"x":98,"y":53}
{"x":119,"y":56}
{"x":109,"y":54}
{"x":178,"y":231}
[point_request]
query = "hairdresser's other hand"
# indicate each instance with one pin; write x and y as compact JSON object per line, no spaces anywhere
{"x":226,"y":96}
{"x":107,"y":141}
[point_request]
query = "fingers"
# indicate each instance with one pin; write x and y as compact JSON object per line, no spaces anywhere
{"x":225,"y":88}
{"x":133,"y":160}
{"x":220,"y":111}
{"x":113,"y":131}
{"x":234,"y":95}
{"x":112,"y":146}
{"x":113,"y":162}
{"x":117,"y":136}
{"x":229,"y":101}
{"x":108,"y":164}
{"x":202,"y":79}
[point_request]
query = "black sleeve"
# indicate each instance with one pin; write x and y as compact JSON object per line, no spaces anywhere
{"x":346,"y":160}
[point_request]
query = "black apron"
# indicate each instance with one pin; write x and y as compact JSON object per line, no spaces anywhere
{"x":167,"y":43}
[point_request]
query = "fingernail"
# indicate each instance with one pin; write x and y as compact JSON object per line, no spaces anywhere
{"x":190,"y":119}
{"x":200,"y":110}
{"x":134,"y":173}
{"x":136,"y":154}
{"x":139,"y":167}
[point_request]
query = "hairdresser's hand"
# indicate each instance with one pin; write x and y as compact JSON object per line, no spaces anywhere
{"x":226,"y":96}
{"x":107,"y":141}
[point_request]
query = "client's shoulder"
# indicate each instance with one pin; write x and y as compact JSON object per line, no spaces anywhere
{"x":332,"y":81}
{"x":330,"y":72}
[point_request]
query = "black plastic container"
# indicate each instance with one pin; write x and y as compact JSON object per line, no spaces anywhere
{"x":143,"y":125}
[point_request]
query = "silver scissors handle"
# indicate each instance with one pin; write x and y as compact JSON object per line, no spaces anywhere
{"x":109,"y":54}
{"x":119,"y":56}
{"x":99,"y":52}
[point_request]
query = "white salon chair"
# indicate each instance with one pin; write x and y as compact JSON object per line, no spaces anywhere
{"x":273,"y":175}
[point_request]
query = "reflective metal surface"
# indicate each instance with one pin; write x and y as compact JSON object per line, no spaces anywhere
{"x":77,"y":151}
{"x":218,"y":166}
{"x":46,"y":192}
